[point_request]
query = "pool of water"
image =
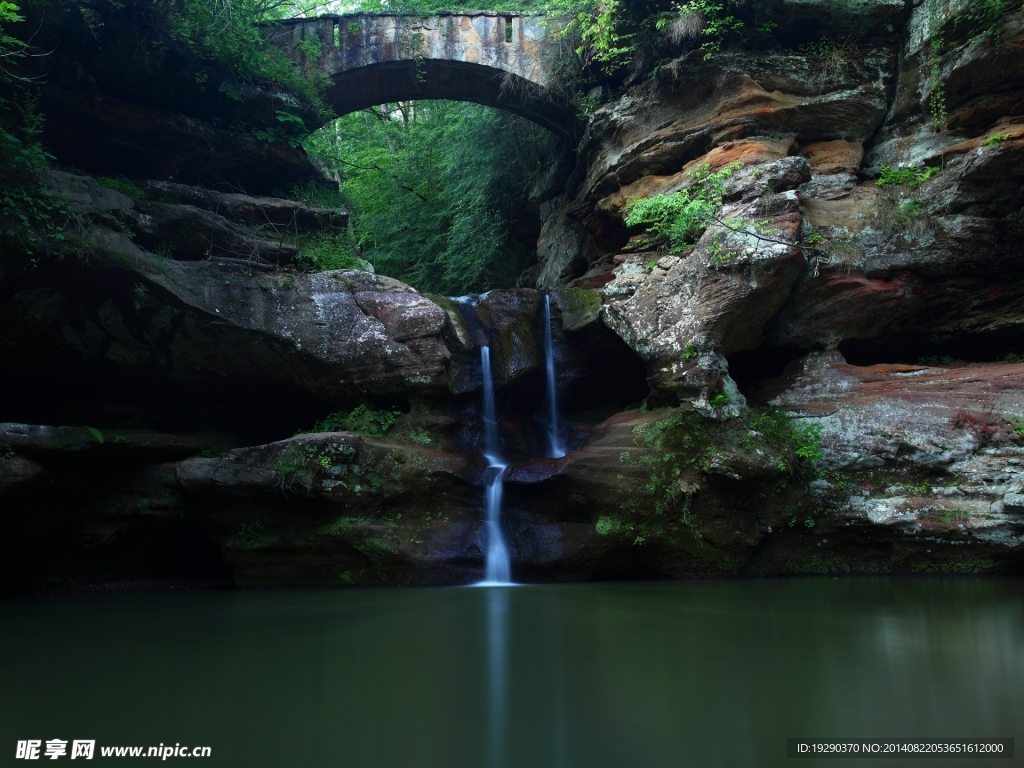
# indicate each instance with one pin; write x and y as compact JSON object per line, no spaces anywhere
{"x":635,"y":674}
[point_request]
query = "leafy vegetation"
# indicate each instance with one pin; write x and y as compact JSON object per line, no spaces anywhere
{"x":807,"y":438}
{"x":911,"y":177}
{"x":361,"y":420}
{"x":977,"y":17}
{"x":31,"y":219}
{"x":711,"y":18}
{"x":437,"y":191}
{"x":325,"y":252}
{"x":678,"y":220}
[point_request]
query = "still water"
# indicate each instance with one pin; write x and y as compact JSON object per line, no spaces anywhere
{"x":638,"y":674}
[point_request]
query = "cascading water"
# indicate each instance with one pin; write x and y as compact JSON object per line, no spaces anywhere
{"x":556,"y":448}
{"x":498,"y":569}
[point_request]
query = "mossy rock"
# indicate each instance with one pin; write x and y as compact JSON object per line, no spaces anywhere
{"x":580,"y":307}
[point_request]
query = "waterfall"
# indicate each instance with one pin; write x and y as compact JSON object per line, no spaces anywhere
{"x":498,"y":569}
{"x":556,"y":447}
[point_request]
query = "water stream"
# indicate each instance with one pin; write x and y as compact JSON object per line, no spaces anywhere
{"x":497,"y":567}
{"x":556,"y":447}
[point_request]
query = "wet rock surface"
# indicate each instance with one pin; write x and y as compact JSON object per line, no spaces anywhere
{"x":826,"y":381}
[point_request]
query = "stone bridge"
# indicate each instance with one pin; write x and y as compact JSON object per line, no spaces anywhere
{"x":499,"y":60}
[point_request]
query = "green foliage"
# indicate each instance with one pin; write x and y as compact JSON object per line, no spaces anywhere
{"x":123,"y":185}
{"x":980,"y":16}
{"x":719,"y":400}
{"x":229,"y":34}
{"x":249,"y":534}
{"x":6,"y":452}
{"x":361,"y":420}
{"x":11,"y":48}
{"x":910,"y":177}
{"x":679,"y":219}
{"x":437,"y":190}
{"x":689,"y":351}
{"x":312,"y":47}
{"x":32,"y":221}
{"x":97,"y":434}
{"x":602,"y":38}
{"x":666,"y":448}
{"x":807,"y":438}
{"x":950,"y":516}
{"x":324,"y":252}
{"x":718,"y":23}
{"x":9,"y":12}
{"x":420,"y":436}
{"x":996,"y":139}
{"x":607,"y":525}
{"x":1018,"y":426}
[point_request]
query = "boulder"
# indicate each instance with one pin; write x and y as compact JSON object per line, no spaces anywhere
{"x":338,"y":508}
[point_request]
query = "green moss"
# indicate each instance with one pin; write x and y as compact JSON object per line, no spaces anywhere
{"x":123,"y":185}
{"x":252,"y":535}
{"x":824,"y":564}
{"x":947,"y":516}
{"x":580,"y":307}
{"x":325,"y":252}
{"x":969,"y":564}
{"x":378,"y":551}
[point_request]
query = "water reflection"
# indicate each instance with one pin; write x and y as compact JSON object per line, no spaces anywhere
{"x":497,"y":636}
{"x":575,"y":676}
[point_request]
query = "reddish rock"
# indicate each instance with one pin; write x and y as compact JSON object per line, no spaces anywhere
{"x":836,"y":156}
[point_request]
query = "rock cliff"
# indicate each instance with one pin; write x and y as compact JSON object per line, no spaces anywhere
{"x":827,"y":380}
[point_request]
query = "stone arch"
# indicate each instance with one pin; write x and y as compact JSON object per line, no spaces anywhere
{"x":498,"y":60}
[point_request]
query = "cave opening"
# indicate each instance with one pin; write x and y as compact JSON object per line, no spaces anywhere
{"x":1003,"y":345}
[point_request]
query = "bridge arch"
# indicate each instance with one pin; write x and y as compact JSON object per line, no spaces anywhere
{"x":498,"y":60}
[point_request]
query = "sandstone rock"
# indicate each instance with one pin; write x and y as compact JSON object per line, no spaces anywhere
{"x":899,"y":413}
{"x":38,"y":439}
{"x":943,"y":432}
{"x":180,"y":321}
{"x":717,"y":300}
{"x":339,"y":508}
{"x":838,"y":156}
{"x":192,"y":234}
{"x":287,"y":215}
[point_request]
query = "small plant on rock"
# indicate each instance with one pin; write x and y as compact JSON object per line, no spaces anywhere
{"x":910,"y":177}
{"x":807,"y":438}
{"x":361,"y":420}
{"x":678,"y":220}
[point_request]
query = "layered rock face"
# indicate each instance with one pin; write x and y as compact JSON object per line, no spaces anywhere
{"x":811,"y":257}
{"x":828,"y":380}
